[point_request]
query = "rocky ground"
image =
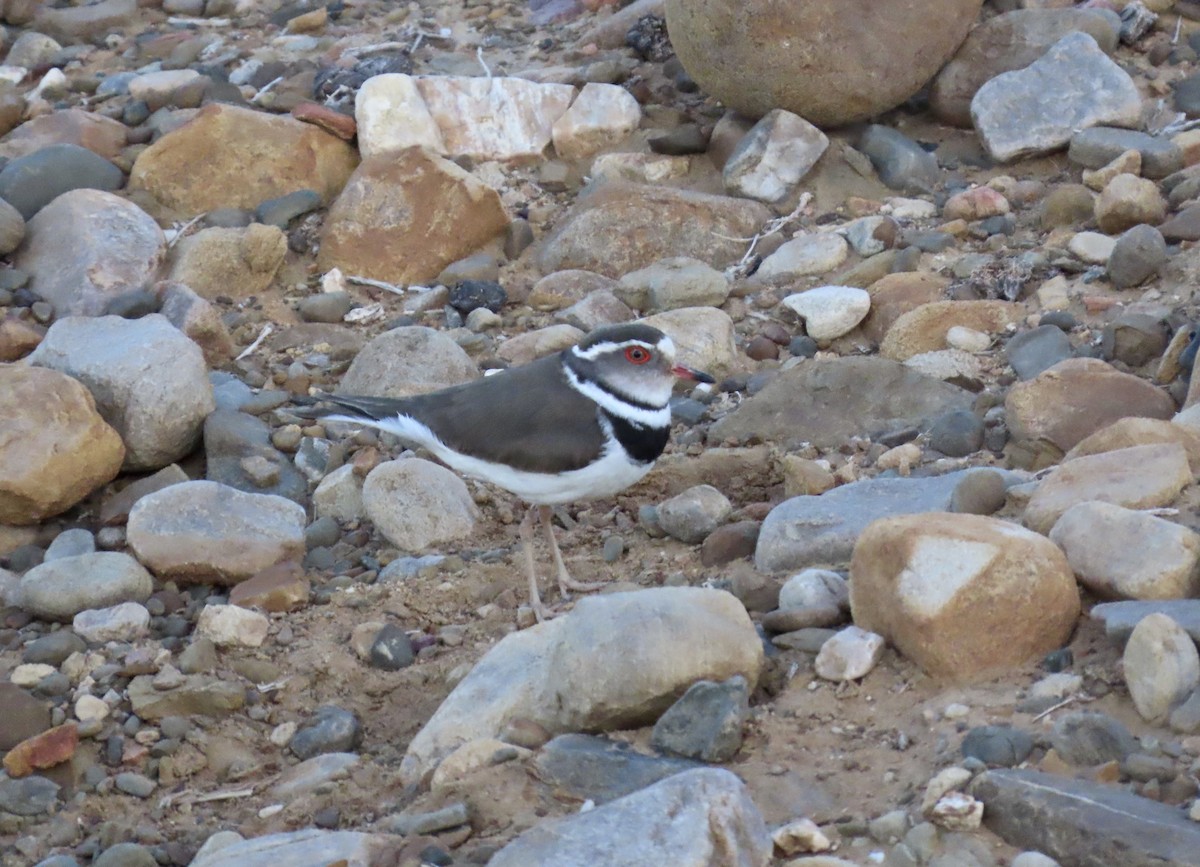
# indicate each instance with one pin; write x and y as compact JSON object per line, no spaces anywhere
{"x":914,"y":584}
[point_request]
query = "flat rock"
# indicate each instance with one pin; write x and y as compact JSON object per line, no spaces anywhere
{"x":804,"y":255}
{"x":417,"y":504}
{"x":1005,"y":43}
{"x":388,"y":222}
{"x":407,"y":361}
{"x":560,"y":675}
{"x":693,"y":819}
{"x":1097,"y":147}
{"x":616,"y":228}
{"x":232,"y":144}
{"x":207,"y":532}
{"x":307,"y":846}
{"x":1141,"y":477}
{"x":824,"y":402}
{"x":962,"y":594}
{"x":672,"y":283}
{"x":198,"y":694}
{"x":601,"y":770}
{"x":1125,"y":554}
{"x":771,"y":159}
{"x":924,"y":328}
{"x":524,"y":348}
{"x":31,"y":182}
{"x":88,"y":247}
{"x":1077,"y":397}
{"x":811,"y":531}
{"x":125,"y":621}
{"x":601,"y":116}
{"x":1119,"y":618}
{"x":149,"y":380}
{"x":101,"y":135}
{"x":1085,"y":824}
{"x":1035,"y":110}
{"x":55,"y":447}
{"x":60,"y":589}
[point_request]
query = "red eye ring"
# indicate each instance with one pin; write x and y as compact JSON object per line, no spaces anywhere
{"x":637,"y":355}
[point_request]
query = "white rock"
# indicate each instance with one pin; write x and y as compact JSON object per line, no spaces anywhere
{"x":800,"y":835}
{"x":639,"y":168}
{"x":416,"y":503}
{"x":601,"y":116}
{"x":616,"y":661}
{"x":89,"y":708}
{"x":849,"y":655}
{"x":1161,"y":666}
{"x":968,"y":339}
{"x":28,"y":674}
{"x":944,"y":782}
{"x":830,"y":311}
{"x":771,"y":159}
{"x":124,"y":622}
{"x":310,"y":846}
{"x":692,"y":515}
{"x":807,"y":254}
{"x":699,"y":818}
{"x":815,"y":588}
{"x":339,"y":495}
{"x":1033,"y":859}
{"x":1091,"y":247}
{"x":1056,"y":686}
{"x":1128,"y":554}
{"x":155,"y":88}
{"x":957,"y":812}
{"x":232,"y":626}
{"x":391,"y":115}
{"x":909,"y":209}
{"x":945,"y":364}
{"x":494,"y":118}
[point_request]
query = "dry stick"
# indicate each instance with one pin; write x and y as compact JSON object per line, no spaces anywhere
{"x":267,"y":329}
{"x":184,"y":229}
{"x":377,"y":284}
{"x":769,"y":228}
{"x":264,"y":90}
{"x":1066,"y":701}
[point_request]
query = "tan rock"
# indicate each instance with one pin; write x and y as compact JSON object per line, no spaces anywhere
{"x":405,"y":216}
{"x":1128,"y":163}
{"x":237,"y":263}
{"x":1133,"y":431}
{"x":1077,"y":397}
{"x":392,"y":115}
{"x":564,"y":288}
{"x":962,"y":594}
{"x":526,"y":347}
{"x":1127,"y":201}
{"x":234,"y":144}
{"x":896,"y":294}
{"x":924,"y":329}
{"x":1141,"y":477}
{"x":703,"y":336}
{"x":406,"y":361}
{"x":601,"y":116}
{"x":51,"y":747}
{"x":55,"y":449}
{"x":18,"y":338}
{"x":97,"y":133}
{"x":804,"y":477}
{"x":416,"y":503}
{"x":278,"y":588}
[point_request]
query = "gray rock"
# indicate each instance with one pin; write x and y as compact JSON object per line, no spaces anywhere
{"x":60,"y":589}
{"x":71,"y":543}
{"x":281,"y":211}
{"x":826,"y":402}
{"x":957,"y":433}
{"x":309,"y":846}
{"x":691,"y":515}
{"x":391,"y":650}
{"x":32,"y":49}
{"x":407,"y":361}
{"x":126,"y":621}
{"x":821,"y":531}
{"x":231,"y":439}
{"x":997,"y":745}
{"x":1038,"y":109}
{"x":325,"y":306}
{"x":1185,"y":719}
{"x":415,"y":503}
{"x":317,"y":771}
{"x":808,"y":640}
{"x":682,"y":820}
{"x":482,"y":267}
{"x":600,"y":770}
{"x":815,"y":588}
{"x":127,"y":854}
{"x":205,"y":531}
{"x":138,"y":785}
{"x":706,"y":722}
{"x":1085,"y":824}
{"x":1100,"y":145}
{"x":149,"y":380}
{"x":28,"y":796}
{"x":1119,"y":618}
{"x":31,"y":182}
{"x":1161,"y":666}
{"x":771,"y":159}
{"x":1087,"y":739}
{"x":901,"y":163}
{"x":1139,"y":254}
{"x":873,"y":234}
{"x":331,"y":730}
{"x":12,"y":228}
{"x":53,"y":648}
{"x":87,"y":247}
{"x":58,"y":861}
{"x":672,"y":283}
{"x":1030,"y":352}
{"x":1187,"y":95}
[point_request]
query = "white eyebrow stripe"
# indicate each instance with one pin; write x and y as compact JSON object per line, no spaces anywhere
{"x":594,"y":352}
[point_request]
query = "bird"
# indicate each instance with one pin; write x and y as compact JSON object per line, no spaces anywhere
{"x":581,"y":424}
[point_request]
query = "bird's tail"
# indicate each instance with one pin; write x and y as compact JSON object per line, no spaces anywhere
{"x":322,"y":405}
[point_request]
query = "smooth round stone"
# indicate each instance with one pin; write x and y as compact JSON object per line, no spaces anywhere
{"x":1161,"y":665}
{"x":1091,"y":247}
{"x":12,"y":229}
{"x":53,"y":648}
{"x":968,"y":339}
{"x":830,"y":311}
{"x":31,"y":182}
{"x":392,"y":649}
{"x":814,"y":587}
{"x":956,"y":434}
{"x":331,"y":730}
{"x":328,"y":307}
{"x":804,"y":255}
{"x":135,"y":784}
{"x":1137,"y":256}
{"x":981,"y":492}
{"x":71,"y":543}
{"x":997,"y":745}
{"x":1060,"y":319}
{"x":614,"y":547}
{"x":1031,"y":352}
{"x":802,"y":347}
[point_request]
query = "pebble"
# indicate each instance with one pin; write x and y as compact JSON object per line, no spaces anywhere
{"x":1091,"y":247}
{"x":818,"y":588}
{"x":1036,"y":350}
{"x":325,"y":307}
{"x":902,"y":164}
{"x":135,"y":784}
{"x":232,"y":626}
{"x":391,"y":649}
{"x":53,"y":648}
{"x":830,"y":311}
{"x":706,"y":722}
{"x":331,"y":729}
{"x":772,"y":158}
{"x":469,"y":295}
{"x":673,"y":283}
{"x":849,"y":655}
{"x":125,"y":622}
{"x":1003,"y":746}
{"x":59,"y":589}
{"x":956,"y":434}
{"x":1085,"y":739}
{"x":694,"y":514}
{"x":1161,"y":666}
{"x":1138,"y":255}
{"x":804,"y":255}
{"x":31,"y":182}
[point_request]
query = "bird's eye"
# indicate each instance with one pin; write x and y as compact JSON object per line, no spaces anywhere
{"x":637,"y":355}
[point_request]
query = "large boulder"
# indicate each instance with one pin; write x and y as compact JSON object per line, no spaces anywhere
{"x":962,"y":594}
{"x":55,"y":448}
{"x":830,"y":61}
{"x":149,"y":380}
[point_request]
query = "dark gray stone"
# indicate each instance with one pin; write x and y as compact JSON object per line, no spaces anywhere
{"x":1084,"y":824}
{"x":706,"y":722}
{"x":1185,"y":719}
{"x":126,"y":855}
{"x":1187,"y":95}
{"x":28,"y":796}
{"x":233,"y":437}
{"x":1134,"y":338}
{"x":31,"y":182}
{"x":1031,"y":352}
{"x":1138,"y":255}
{"x":322,"y":533}
{"x":331,"y":730}
{"x":997,"y":745}
{"x":1119,"y":618}
{"x":1100,"y":145}
{"x":472,"y":294}
{"x":391,"y":650}
{"x":327,"y":307}
{"x":956,"y":434}
{"x":138,"y":785}
{"x":901,"y":163}
{"x":53,"y":648}
{"x":1085,"y":739}
{"x":597,"y":769}
{"x":281,"y":211}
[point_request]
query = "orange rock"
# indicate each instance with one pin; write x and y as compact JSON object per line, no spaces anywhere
{"x":18,"y":338}
{"x":51,"y":747}
{"x":341,"y":125}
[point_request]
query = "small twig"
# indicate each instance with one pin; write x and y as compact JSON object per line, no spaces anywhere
{"x":380,"y":47}
{"x":479,"y":57}
{"x":1178,"y":26}
{"x":265,"y":89}
{"x":181,"y":21}
{"x":249,"y":350}
{"x":770,"y":228}
{"x":378,"y":284}
{"x":1066,"y":701}
{"x":184,"y":229}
